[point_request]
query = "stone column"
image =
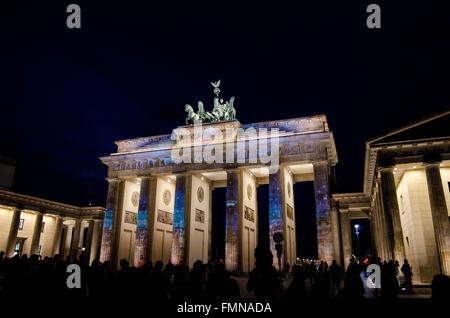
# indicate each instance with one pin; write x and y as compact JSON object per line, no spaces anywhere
{"x":346,"y":237}
{"x":374,"y":228}
{"x":439,"y":215}
{"x":13,"y":229}
{"x":36,"y":233}
{"x":232,"y":232}
{"x":57,"y":235}
{"x":89,"y":239}
{"x":335,"y":230}
{"x":108,"y":246}
{"x":385,"y":241}
{"x":324,"y":233}
{"x":391,"y":209}
{"x":210,"y":189}
{"x":145,"y":220}
{"x":68,"y":240}
{"x":96,"y":240}
{"x":75,"y":240}
{"x":180,"y":236}
{"x":276,"y":215}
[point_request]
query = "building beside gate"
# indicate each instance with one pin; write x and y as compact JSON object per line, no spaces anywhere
{"x":406,"y":197}
{"x":31,"y":225}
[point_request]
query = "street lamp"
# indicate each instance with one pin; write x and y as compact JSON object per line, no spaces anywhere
{"x":357,"y":236}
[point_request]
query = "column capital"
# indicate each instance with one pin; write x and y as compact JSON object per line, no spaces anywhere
{"x":147,"y":177}
{"x":321,"y":163}
{"x":113,"y":180}
{"x":432,"y":164}
{"x":386,"y":169}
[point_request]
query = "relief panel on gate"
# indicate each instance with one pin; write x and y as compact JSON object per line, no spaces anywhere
{"x":249,"y":214}
{"x":130,"y":217}
{"x":289,"y":212}
{"x":199,"y":216}
{"x":165,"y":217}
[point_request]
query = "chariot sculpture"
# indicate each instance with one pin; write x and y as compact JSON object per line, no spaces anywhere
{"x":222,"y":111}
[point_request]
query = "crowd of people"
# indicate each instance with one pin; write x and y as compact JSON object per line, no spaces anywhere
{"x":43,"y":278}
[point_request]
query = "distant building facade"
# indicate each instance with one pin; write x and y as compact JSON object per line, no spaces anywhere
{"x":406,"y":197}
{"x":30,"y":225}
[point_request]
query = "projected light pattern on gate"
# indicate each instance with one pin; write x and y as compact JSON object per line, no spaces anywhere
{"x":178,"y":222}
{"x":142,"y":224}
{"x":275,"y":211}
{"x":231,"y":223}
{"x":105,"y":254}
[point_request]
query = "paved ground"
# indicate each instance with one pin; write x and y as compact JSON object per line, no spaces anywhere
{"x":422,"y":291}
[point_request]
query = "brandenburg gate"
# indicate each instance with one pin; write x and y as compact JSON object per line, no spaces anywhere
{"x":159,"y":202}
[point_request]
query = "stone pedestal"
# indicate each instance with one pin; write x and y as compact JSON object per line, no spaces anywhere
{"x":391,"y":209}
{"x":439,"y":215}
{"x":13,"y":229}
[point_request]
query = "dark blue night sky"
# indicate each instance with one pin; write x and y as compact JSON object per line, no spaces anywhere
{"x":67,"y":95}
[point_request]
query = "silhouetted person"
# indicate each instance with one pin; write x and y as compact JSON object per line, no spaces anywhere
{"x":353,"y":285}
{"x":389,"y":282}
{"x":440,"y":289}
{"x":407,"y":272}
{"x":220,"y":285}
{"x":263,"y":279}
{"x":297,"y":287}
{"x":160,"y":283}
{"x":197,"y":279}
{"x":336,"y":274}
{"x":181,"y":288}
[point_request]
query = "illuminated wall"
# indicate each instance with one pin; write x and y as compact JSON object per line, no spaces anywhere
{"x":417,"y":225}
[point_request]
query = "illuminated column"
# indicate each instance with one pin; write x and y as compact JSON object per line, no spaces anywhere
{"x":391,"y":210}
{"x":374,"y":228}
{"x":180,"y":235}
{"x":96,"y":240}
{"x":346,"y":237}
{"x":145,"y":219}
{"x":336,"y":233}
{"x":439,"y":215}
{"x":276,"y":221}
{"x":34,"y":249}
{"x":67,"y":240}
{"x":323,"y":218}
{"x":108,"y":246}
{"x":386,"y":246}
{"x":75,"y":240}
{"x":89,"y":239}
{"x":57,"y":235}
{"x":13,"y":229}
{"x":232,"y":241}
